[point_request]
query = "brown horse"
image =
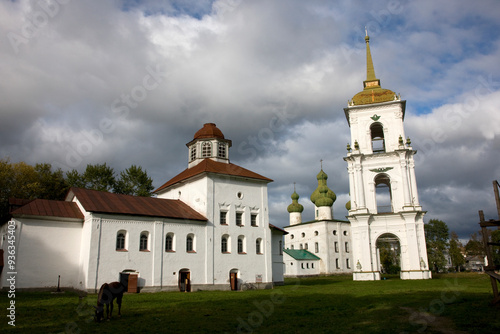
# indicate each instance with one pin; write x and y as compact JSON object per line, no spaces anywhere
{"x":107,"y":293}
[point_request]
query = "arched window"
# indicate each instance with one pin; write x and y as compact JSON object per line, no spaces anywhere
{"x":383,"y":193}
{"x":206,"y":149}
{"x":190,"y":243}
{"x":316,"y":247}
{"x":120,"y":240}
{"x":258,"y":246}
{"x":241,"y":244}
{"x":169,"y":242}
{"x":223,"y":244}
{"x":377,"y":134}
{"x":143,"y":243}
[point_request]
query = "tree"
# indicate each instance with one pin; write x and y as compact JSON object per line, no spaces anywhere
{"x":495,"y":250}
{"x":436,"y":238}
{"x":457,"y":258}
{"x":20,"y":180}
{"x":134,"y":181}
{"x":389,"y":257}
{"x":475,"y":245}
{"x":97,"y":177}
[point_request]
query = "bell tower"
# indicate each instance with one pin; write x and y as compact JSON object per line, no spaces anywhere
{"x":384,"y":205}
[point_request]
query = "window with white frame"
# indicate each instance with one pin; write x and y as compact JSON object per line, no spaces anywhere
{"x":253,"y":219}
{"x":316,"y":247}
{"x":222,"y":150}
{"x":224,"y":244}
{"x":193,"y":153}
{"x":239,"y":218}
{"x":241,"y":244}
{"x":169,"y":242}
{"x":258,"y":246}
{"x":120,"y":240}
{"x":206,"y":149}
{"x":190,"y":247}
{"x":143,"y":242}
{"x":223,"y":218}
{"x":336,"y":247}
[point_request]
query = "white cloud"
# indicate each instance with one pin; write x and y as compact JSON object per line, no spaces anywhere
{"x":273,"y":75}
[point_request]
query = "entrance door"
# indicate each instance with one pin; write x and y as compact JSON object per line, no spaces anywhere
{"x":185,"y":281}
{"x":234,"y":281}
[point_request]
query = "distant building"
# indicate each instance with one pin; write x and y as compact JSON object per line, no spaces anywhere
{"x":208,"y":228}
{"x":474,"y":263}
{"x":321,"y":246}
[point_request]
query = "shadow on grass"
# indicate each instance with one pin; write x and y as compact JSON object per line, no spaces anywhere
{"x":333,"y":305}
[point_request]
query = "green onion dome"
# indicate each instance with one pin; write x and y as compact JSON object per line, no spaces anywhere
{"x":323,"y":196}
{"x":348,"y":205}
{"x":295,"y":206}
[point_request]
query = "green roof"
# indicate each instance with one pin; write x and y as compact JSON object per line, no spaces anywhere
{"x":301,"y":254}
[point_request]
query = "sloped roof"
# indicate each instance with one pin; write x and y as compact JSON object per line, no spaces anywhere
{"x":49,"y":208}
{"x":210,"y":166}
{"x":104,"y":202}
{"x":271,"y":226}
{"x":301,"y":254}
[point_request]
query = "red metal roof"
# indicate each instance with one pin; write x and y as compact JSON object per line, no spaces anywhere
{"x":209,"y":130}
{"x":210,"y":166}
{"x":50,"y":208}
{"x":104,"y":202}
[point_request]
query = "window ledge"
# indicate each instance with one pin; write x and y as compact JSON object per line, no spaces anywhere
{"x":144,"y":250}
{"x":243,"y":253}
{"x":170,"y":251}
{"x":226,"y":252}
{"x":191,"y":251}
{"x":122,"y":250}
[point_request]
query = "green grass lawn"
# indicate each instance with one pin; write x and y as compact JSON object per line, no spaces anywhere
{"x":333,"y":304}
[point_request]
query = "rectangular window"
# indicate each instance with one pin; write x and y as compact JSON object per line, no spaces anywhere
{"x":280,"y":246}
{"x":347,"y":264}
{"x":336,"y":247}
{"x":239,"y":218}
{"x":253,"y":219}
{"x":316,"y":247}
{"x":193,"y":153}
{"x":223,"y":218}
{"x":347,"y":247}
{"x":337,"y":263}
{"x":222,"y":150}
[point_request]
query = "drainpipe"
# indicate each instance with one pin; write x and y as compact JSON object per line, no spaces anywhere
{"x":98,"y":253}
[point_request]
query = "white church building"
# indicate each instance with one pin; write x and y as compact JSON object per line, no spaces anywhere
{"x":384,"y":205}
{"x":207,"y":228}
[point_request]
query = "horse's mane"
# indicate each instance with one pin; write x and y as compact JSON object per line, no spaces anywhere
{"x":101,"y":292}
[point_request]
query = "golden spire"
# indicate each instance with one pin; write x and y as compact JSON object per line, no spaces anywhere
{"x":371,"y":80}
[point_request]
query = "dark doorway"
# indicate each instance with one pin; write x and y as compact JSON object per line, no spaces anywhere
{"x":233,"y":278}
{"x":185,"y":281}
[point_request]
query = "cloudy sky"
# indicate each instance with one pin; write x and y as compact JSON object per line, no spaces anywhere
{"x":130,"y":82}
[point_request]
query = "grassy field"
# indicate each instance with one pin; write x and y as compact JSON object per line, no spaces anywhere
{"x":451,"y":303}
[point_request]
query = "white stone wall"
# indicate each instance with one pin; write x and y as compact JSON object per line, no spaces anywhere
{"x":46,"y":249}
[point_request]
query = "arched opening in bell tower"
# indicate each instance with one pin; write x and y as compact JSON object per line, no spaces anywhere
{"x":383,"y":194}
{"x":388,"y":254}
{"x":377,"y":134}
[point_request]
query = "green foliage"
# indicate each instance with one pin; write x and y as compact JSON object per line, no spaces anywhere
{"x":495,"y":250}
{"x":20,"y":180}
{"x":389,"y":257}
{"x":134,"y":181}
{"x":436,"y":238}
{"x":97,"y":177}
{"x":455,"y":251}
{"x":475,"y":245}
